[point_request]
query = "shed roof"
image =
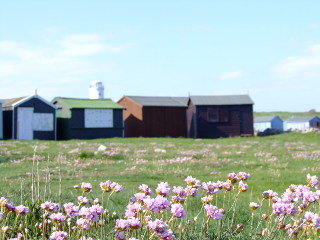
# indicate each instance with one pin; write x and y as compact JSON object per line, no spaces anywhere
{"x":265,"y":118}
{"x":160,"y":101}
{"x":221,"y":100}
{"x":72,"y":103}
{"x":301,"y":118}
{"x":13,"y":102}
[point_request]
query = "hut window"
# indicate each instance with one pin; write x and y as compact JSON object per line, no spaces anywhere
{"x":98,"y":118}
{"x":212,"y":114}
{"x":223,"y":115}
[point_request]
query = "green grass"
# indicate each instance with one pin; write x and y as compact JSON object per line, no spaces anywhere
{"x":274,"y":162}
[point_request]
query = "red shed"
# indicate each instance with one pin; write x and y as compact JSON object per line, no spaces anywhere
{"x":154,"y":116}
{"x":220,"y":116}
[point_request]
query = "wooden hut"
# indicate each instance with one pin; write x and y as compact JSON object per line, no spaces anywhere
{"x":220,"y":116}
{"x":302,"y":122}
{"x":262,"y":123}
{"x":154,"y":116}
{"x":88,"y":118}
{"x":27,"y":118}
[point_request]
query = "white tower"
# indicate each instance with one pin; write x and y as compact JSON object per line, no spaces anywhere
{"x":96,"y":90}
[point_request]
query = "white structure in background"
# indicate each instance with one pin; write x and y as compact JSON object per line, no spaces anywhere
{"x":96,"y":90}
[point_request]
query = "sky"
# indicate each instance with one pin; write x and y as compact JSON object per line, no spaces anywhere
{"x":267,"y":49}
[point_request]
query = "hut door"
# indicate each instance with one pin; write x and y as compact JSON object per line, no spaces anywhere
{"x":24,"y":123}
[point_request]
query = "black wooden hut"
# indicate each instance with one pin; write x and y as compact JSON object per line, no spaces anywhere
{"x":146,"y":116}
{"x":88,"y":118}
{"x":27,"y":118}
{"x":220,"y":116}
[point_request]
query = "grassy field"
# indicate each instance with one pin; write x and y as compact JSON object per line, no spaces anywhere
{"x":274,"y":162}
{"x":54,"y":167}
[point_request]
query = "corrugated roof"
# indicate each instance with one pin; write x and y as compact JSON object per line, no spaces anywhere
{"x":301,"y":118}
{"x":161,"y":101}
{"x":88,"y":103}
{"x":264,"y":118}
{"x":221,"y":100}
{"x":8,"y":103}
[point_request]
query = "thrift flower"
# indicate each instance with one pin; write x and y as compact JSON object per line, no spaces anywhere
{"x":243,"y":176}
{"x":83,"y":223}
{"x":50,"y":207}
{"x":193,"y":182}
{"x":213,"y":212}
{"x":71,"y":210}
{"x":86,"y":187}
{"x":178,"y":211}
{"x":233,"y":177}
{"x":163,"y":189}
{"x":313,"y":181}
{"x":57,"y":217}
{"x":145,"y":189}
{"x":242,"y":186}
{"x":160,"y":228}
{"x":122,"y":224}
{"x":58,"y":235}
{"x":83,"y":200}
{"x":22,"y":210}
{"x":210,"y":187}
{"x":254,"y":205}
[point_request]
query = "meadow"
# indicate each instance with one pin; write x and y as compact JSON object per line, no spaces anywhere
{"x":33,"y":172}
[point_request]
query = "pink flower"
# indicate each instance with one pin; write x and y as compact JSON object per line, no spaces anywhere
{"x":106,"y":186}
{"x":269,"y":194}
{"x":160,"y":228}
{"x":122,"y":224}
{"x":243,"y":176}
{"x":179,"y":191}
{"x":213,"y":212}
{"x":233,"y":177}
{"x":210,"y":187}
{"x":134,"y":223}
{"x":71,"y":210}
{"x":133,"y":209}
{"x":242,"y":186}
{"x":193,"y":182}
{"x":145,"y":189}
{"x":83,"y":223}
{"x":50,"y":207}
{"x":192,"y":191}
{"x":22,"y":210}
{"x":58,"y":235}
{"x":83,"y":200}
{"x":228,"y":185}
{"x":57,"y":217}
{"x":86,"y":187}
{"x":163,"y":189}
{"x":178,"y":211}
{"x":254,"y":205}
{"x":313,"y":181}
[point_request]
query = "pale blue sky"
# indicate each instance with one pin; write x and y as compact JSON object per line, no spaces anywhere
{"x":269,"y":49}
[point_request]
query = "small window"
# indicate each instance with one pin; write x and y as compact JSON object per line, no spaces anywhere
{"x":223,"y":115}
{"x":212,"y":115}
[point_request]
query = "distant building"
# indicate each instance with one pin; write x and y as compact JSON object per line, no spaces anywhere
{"x":262,"y":123}
{"x":88,"y":118}
{"x":27,"y":118}
{"x":147,"y":116}
{"x":96,"y":90}
{"x":220,"y":116}
{"x":301,"y":123}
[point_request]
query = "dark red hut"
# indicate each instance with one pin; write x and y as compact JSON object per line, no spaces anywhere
{"x":154,"y":116}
